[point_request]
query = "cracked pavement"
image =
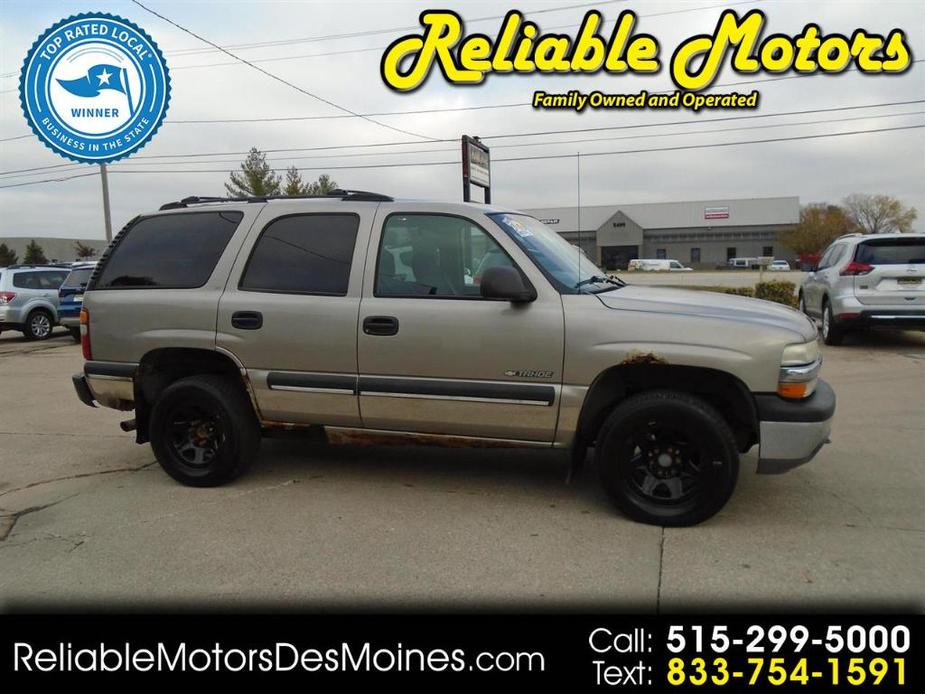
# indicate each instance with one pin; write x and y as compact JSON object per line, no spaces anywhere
{"x":87,"y":517}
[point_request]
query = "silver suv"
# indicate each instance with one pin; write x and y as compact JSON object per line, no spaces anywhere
{"x":29,"y":298}
{"x":218,"y":321}
{"x":867,"y":281}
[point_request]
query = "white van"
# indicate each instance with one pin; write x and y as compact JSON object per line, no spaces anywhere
{"x":743,"y":263}
{"x":657,"y":265}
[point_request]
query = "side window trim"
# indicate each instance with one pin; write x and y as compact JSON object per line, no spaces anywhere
{"x":469,"y":220}
{"x":240,"y":285}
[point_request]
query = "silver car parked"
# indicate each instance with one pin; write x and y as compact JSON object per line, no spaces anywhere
{"x":867,"y":281}
{"x":29,"y":298}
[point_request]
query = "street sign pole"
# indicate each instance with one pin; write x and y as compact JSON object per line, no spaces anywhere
{"x":476,"y":167}
{"x":107,"y":217}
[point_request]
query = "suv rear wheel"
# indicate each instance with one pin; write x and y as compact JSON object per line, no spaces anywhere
{"x":667,"y":458}
{"x":38,"y":325}
{"x":832,"y":332}
{"x":203,"y":430}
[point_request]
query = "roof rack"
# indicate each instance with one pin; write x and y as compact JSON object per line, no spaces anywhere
{"x":343,"y":194}
{"x":21,"y":266}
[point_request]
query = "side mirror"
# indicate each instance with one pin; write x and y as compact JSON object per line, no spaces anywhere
{"x":506,"y":283}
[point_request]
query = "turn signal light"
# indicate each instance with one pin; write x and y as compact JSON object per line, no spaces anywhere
{"x":792,"y":391}
{"x":855,"y":268}
{"x":85,"y":334}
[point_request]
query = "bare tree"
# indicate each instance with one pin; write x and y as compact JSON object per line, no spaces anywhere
{"x":879,"y":214}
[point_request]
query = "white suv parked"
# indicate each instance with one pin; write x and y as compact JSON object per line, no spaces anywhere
{"x":867,"y":281}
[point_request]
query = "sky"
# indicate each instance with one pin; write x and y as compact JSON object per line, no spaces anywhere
{"x":208,"y":85}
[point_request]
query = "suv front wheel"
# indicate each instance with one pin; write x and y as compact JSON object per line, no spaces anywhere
{"x":832,"y":332}
{"x":667,"y":458}
{"x":203,"y":430}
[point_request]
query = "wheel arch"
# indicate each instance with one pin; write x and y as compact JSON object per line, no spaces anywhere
{"x":728,"y":394}
{"x":163,"y":366}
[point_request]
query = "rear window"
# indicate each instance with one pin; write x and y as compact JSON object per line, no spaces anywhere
{"x":78,"y":278}
{"x":175,"y":251}
{"x":891,"y":252}
{"x":39,"y":279}
{"x":303,"y":254}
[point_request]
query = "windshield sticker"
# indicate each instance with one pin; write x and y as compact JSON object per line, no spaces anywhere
{"x":517,"y":227}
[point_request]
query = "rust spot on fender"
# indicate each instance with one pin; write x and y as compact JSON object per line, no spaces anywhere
{"x":638,"y":358}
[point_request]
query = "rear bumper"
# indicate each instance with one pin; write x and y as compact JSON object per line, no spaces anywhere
{"x":792,"y":432}
{"x":111,"y":384}
{"x":889,"y":318}
{"x":83,"y":390}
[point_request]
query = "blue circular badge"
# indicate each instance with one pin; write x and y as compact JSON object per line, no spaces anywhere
{"x":94,"y":88}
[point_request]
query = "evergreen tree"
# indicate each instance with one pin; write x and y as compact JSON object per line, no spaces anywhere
{"x":294,"y":184}
{"x":84,"y":251}
{"x":34,"y":254}
{"x":7,"y":256}
{"x":322,"y":186}
{"x":256,"y":177}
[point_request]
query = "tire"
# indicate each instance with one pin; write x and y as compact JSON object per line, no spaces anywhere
{"x":832,"y":333}
{"x":667,"y":458}
{"x":39,"y":324}
{"x":203,"y":430}
{"x":75,"y":334}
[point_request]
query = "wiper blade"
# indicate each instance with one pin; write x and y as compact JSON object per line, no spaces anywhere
{"x":597,"y":279}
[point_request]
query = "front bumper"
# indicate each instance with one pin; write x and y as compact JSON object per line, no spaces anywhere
{"x":792,"y":431}
{"x":69,"y":321}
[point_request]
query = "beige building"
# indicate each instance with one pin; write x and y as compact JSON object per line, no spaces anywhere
{"x":704,"y":233}
{"x":55,"y":248}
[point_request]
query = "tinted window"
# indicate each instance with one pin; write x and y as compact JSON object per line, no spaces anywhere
{"x":304,"y":254}
{"x":26,"y":280}
{"x":891,"y":252}
{"x":171,"y":250}
{"x":78,"y":277}
{"x":50,"y":280}
{"x":434,"y":255}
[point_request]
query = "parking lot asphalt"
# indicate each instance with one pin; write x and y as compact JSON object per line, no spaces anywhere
{"x":87,"y":516}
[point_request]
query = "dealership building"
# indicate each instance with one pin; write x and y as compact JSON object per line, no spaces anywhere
{"x":701,"y":234}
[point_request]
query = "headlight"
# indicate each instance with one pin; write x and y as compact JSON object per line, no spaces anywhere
{"x":799,"y":371}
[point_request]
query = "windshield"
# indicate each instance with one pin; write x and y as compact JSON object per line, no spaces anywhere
{"x":79,"y":277}
{"x":563,"y":264}
{"x":892,"y":252}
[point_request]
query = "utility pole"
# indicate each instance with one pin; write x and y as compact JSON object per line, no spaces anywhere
{"x":107,"y":217}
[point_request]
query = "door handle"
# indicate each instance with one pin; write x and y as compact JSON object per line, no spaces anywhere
{"x":380,"y":325}
{"x":247,"y":320}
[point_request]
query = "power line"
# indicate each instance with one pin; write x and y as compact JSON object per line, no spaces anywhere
{"x":517,"y":159}
{"x":277,"y":77}
{"x":373,"y":32}
{"x":500,"y":136}
{"x":826,"y":121}
{"x":276,"y":59}
{"x":382,"y":48}
{"x":51,"y":180}
{"x":632,"y":126}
